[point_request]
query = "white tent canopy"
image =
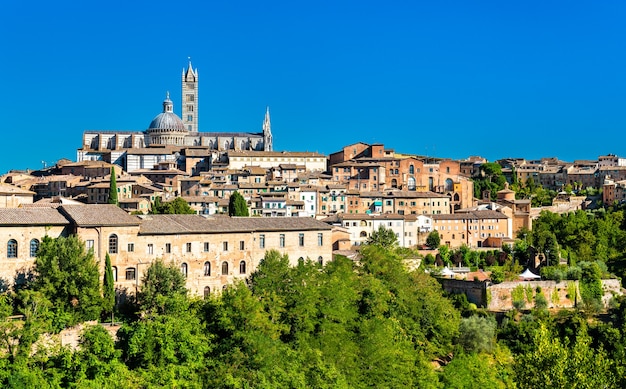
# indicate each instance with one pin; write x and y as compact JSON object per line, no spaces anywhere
{"x":528,"y":274}
{"x":446,"y":272}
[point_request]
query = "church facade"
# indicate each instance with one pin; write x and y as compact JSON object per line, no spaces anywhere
{"x":170,"y":138}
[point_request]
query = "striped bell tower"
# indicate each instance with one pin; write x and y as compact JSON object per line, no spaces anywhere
{"x":190,"y":98}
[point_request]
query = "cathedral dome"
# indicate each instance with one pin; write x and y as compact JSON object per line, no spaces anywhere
{"x":167,"y":120}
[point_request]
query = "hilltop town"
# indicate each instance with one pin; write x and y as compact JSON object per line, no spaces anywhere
{"x":227,"y":260}
{"x":305,"y":204}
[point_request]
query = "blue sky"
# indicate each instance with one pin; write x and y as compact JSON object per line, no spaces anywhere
{"x":444,"y":78}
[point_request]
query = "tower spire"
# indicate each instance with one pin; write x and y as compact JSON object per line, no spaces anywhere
{"x":267,"y":131}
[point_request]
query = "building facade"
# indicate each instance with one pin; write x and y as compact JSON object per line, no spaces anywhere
{"x":210,"y":252}
{"x":168,"y":137}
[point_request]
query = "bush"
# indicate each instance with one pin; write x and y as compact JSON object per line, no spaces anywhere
{"x":497,"y":275}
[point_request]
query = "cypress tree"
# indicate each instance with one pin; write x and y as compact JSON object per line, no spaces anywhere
{"x":108,"y":289}
{"x":237,"y":205}
{"x":113,"y":188}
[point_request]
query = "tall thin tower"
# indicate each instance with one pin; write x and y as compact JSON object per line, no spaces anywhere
{"x":190,"y":98}
{"x":267,"y":132}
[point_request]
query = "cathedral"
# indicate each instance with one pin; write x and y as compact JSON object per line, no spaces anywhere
{"x":171,"y":139}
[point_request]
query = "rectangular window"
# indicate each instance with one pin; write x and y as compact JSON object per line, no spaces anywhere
{"x":130,"y":273}
{"x":168,"y":248}
{"x":188,"y":248}
{"x":131,"y":247}
{"x":301,"y":240}
{"x":150,"y":248}
{"x":206,"y":247}
{"x":282,"y":240}
{"x":320,"y":239}
{"x":262,"y":241}
{"x":242,"y":245}
{"x":89,"y":244}
{"x":225,"y":246}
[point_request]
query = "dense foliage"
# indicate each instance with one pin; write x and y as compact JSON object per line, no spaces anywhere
{"x":176,"y":206}
{"x":347,"y":324}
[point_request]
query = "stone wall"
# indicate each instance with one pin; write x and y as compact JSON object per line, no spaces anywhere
{"x":499,"y":297}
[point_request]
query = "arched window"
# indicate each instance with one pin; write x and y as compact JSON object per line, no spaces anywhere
{"x":207,"y":268}
{"x":112,"y":244}
{"x":224,"y":268}
{"x":449,"y":185}
{"x":456,"y":197}
{"x":320,"y":261}
{"x":34,"y":246}
{"x":410,"y":183}
{"x":12,"y":248}
{"x":207,"y":291}
{"x":226,"y":145}
{"x":242,"y":267}
{"x":243,"y":144}
{"x":411,"y":169}
{"x":394,"y":183}
{"x":184,"y":269}
{"x":114,"y":271}
{"x":363,"y":234}
{"x":300,"y":261}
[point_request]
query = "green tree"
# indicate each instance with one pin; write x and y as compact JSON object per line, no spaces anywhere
{"x":384,"y":237}
{"x":160,"y":286}
{"x":177,"y":206}
{"x":68,"y":276}
{"x":433,"y":240}
{"x":237,"y":205}
{"x":108,"y":288}
{"x":477,"y":334}
{"x":553,"y":363}
{"x":113,"y":187}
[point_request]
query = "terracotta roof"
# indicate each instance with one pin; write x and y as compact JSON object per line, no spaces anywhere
{"x":32,"y":216}
{"x":189,"y":224}
{"x":98,"y":215}
{"x":486,"y":214}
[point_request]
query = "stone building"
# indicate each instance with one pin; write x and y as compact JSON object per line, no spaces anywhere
{"x":482,"y":228}
{"x":211,"y":252}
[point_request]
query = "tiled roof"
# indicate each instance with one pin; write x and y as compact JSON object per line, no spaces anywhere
{"x":411,"y":194}
{"x":98,"y":215}
{"x":10,"y":189}
{"x":32,"y":216}
{"x":189,"y":224}
{"x":244,"y":153}
{"x":486,"y":214}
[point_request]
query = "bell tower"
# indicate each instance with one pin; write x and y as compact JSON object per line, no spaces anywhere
{"x":190,"y":98}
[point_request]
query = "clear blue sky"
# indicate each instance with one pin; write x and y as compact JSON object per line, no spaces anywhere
{"x":441,"y":78}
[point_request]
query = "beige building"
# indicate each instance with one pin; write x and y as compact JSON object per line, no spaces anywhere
{"x":211,"y":252}
{"x":12,"y":196}
{"x":486,"y":228}
{"x":244,"y":159}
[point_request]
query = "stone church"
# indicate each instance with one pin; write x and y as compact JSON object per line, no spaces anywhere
{"x":172,"y":141}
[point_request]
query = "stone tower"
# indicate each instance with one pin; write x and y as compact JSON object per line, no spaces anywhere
{"x":190,"y":98}
{"x":267,"y":131}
